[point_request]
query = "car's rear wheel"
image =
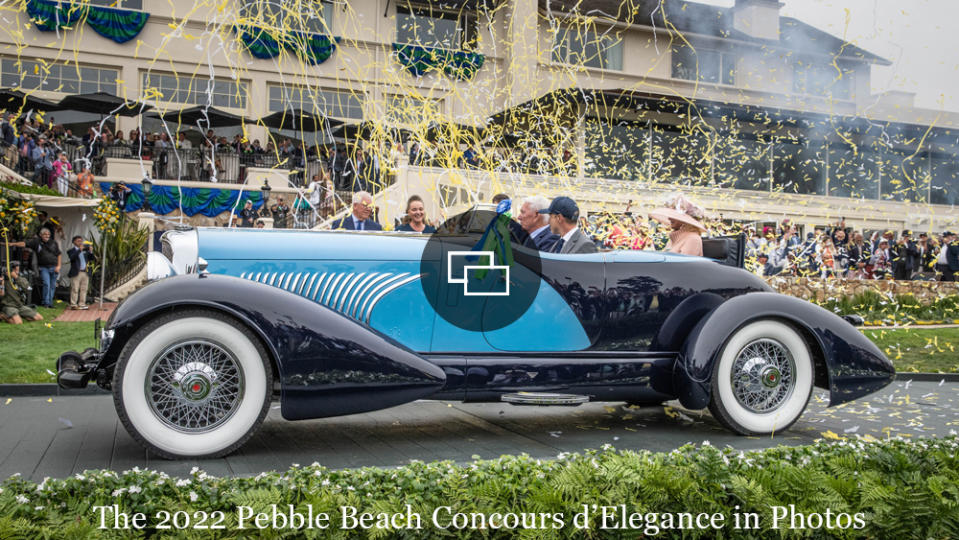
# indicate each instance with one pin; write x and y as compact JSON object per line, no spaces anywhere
{"x":192,"y":384}
{"x":763,"y":379}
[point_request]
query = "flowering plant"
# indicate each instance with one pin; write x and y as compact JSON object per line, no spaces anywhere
{"x":107,"y":216}
{"x":15,"y":215}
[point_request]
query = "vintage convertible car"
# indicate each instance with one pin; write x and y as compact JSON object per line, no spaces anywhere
{"x":337,"y":322}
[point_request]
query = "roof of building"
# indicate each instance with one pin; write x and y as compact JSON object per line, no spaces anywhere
{"x":715,"y":21}
{"x":624,"y":100}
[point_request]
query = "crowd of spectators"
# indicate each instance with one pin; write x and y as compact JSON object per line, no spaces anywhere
{"x":836,"y":251}
{"x":845,"y":252}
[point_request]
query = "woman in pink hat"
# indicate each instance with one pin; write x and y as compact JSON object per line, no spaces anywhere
{"x":683,"y":217}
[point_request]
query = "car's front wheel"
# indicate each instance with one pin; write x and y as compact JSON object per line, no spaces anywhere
{"x":192,"y":384}
{"x":763,"y":379}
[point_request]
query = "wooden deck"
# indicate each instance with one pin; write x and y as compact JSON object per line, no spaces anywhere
{"x":87,"y":315}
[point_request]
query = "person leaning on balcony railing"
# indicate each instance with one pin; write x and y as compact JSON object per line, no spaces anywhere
{"x":85,"y":180}
{"x":182,"y":143}
{"x":63,"y":172}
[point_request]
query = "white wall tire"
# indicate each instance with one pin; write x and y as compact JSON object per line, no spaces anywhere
{"x":762,"y":380}
{"x":192,"y":384}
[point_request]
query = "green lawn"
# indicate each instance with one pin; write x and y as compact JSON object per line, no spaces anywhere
{"x":28,"y":351}
{"x":919,"y":349}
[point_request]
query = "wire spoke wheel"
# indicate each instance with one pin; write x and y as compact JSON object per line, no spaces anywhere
{"x":763,"y":378}
{"x":194,"y":386}
{"x":763,"y":375}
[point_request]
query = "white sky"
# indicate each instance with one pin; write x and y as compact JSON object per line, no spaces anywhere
{"x":920,"y":38}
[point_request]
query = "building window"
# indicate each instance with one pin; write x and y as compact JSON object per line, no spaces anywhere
{"x":704,"y":65}
{"x":430,"y":26}
{"x":197,"y":90}
{"x":300,"y":15}
{"x":617,"y":150}
{"x":818,"y":79}
{"x":588,"y":48}
{"x":799,"y":167}
{"x":904,"y":175}
{"x":335,"y":103}
{"x":853,"y":172}
{"x":741,"y":162}
{"x":680,"y":156}
{"x":57,"y":77}
{"x":944,"y":170}
{"x":121,"y":4}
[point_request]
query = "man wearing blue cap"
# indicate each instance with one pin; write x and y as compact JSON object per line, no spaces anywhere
{"x":564,"y":222}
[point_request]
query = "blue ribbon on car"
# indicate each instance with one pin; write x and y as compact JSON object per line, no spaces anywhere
{"x":496,"y":238}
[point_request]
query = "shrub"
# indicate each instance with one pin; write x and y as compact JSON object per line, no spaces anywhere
{"x":901,"y":488}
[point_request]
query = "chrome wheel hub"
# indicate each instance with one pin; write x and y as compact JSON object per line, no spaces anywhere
{"x":194,"y":386}
{"x":763,"y":375}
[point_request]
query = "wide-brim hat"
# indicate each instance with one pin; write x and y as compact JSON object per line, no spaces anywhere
{"x":665,"y":214}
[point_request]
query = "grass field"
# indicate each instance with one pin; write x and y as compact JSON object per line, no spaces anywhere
{"x":28,"y":351}
{"x":922,"y":349}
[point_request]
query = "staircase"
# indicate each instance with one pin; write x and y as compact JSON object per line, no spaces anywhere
{"x":121,"y":291}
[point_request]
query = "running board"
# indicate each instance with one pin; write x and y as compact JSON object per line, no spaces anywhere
{"x":536,"y":398}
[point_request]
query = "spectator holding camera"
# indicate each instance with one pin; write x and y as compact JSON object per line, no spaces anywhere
{"x":49,"y":259}
{"x":14,"y":293}
{"x":80,"y":255}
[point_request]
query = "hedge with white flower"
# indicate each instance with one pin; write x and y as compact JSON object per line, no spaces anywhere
{"x":904,"y":488}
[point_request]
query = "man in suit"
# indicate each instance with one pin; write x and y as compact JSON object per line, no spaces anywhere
{"x":952,"y":255}
{"x":361,"y":218}
{"x":79,"y":256}
{"x":536,"y":224}
{"x":564,"y":222}
{"x":905,"y":256}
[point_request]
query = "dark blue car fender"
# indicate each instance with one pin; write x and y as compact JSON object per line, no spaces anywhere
{"x":327,"y":364}
{"x":846,"y":362}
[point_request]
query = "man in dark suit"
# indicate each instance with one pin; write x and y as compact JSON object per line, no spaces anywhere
{"x":361,"y":219}
{"x":564,"y":222}
{"x":952,"y":256}
{"x":536,"y":224}
{"x":905,"y":256}
{"x":80,"y":256}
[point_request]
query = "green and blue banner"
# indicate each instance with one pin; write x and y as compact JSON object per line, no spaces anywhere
{"x":311,"y":48}
{"x":209,"y":202}
{"x":419,"y":60}
{"x":120,"y":25}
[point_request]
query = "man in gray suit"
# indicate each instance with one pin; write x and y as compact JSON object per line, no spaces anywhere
{"x":564,"y":222}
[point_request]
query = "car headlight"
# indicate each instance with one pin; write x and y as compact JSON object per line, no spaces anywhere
{"x":106,"y":337}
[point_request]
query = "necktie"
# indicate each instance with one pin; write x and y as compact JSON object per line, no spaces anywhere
{"x":558,"y":246}
{"x":359,"y":225}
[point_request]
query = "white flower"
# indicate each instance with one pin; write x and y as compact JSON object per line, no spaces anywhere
{"x":326,"y":482}
{"x":22,"y":499}
{"x":183,"y":482}
{"x":193,"y":496}
{"x":118,"y":492}
{"x":135,"y":489}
